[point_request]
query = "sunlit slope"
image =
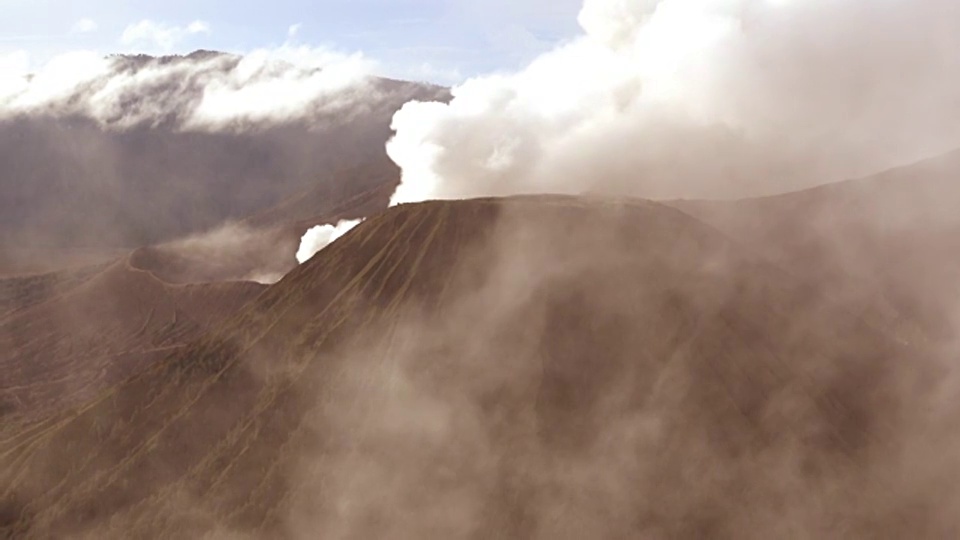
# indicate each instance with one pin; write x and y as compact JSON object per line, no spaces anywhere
{"x":531,"y":367}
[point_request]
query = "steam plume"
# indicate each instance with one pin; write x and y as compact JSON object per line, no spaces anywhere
{"x":320,"y":236}
{"x":698,"y":98}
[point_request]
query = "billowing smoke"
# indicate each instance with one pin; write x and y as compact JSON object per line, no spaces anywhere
{"x":698,"y":98}
{"x":317,"y":238}
{"x":204,"y":91}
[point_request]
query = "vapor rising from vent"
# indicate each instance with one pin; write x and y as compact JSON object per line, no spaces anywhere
{"x":201,"y":92}
{"x":320,"y":236}
{"x":698,"y":98}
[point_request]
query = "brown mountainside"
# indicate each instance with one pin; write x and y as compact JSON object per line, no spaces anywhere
{"x":536,"y":367}
{"x":84,"y":335}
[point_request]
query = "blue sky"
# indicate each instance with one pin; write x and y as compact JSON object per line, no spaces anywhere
{"x":439,"y":40}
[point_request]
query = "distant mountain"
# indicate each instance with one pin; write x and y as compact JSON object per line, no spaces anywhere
{"x":73,"y":181}
{"x":536,"y":367}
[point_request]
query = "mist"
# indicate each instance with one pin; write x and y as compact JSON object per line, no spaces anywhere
{"x":698,"y":98}
{"x":234,"y":251}
{"x":624,"y":372}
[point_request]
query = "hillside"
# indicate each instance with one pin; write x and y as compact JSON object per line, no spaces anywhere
{"x":536,"y":367}
{"x":67,"y":336}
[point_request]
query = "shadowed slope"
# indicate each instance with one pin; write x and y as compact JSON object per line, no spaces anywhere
{"x":526,"y":368}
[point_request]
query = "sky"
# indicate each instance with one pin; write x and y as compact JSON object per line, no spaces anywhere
{"x":441,"y":41}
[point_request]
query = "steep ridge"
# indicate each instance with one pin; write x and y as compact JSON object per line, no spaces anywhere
{"x":86,"y":335}
{"x":536,"y":367}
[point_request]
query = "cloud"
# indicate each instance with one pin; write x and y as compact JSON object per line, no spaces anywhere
{"x":201,"y":92}
{"x":686,"y":98}
{"x":160,"y":35}
{"x":51,"y":86}
{"x":84,"y":26}
{"x":293,"y":30}
{"x":280,"y":84}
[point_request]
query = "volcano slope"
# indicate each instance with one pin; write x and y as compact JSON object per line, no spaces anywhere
{"x":69,"y":335}
{"x":100,"y":323}
{"x":536,"y":367}
{"x":97,"y":324}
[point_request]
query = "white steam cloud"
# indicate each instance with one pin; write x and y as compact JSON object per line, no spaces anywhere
{"x":317,"y":238}
{"x":203,"y":92}
{"x":698,"y":98}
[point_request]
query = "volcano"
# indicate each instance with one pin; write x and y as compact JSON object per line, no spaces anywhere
{"x":537,"y":367}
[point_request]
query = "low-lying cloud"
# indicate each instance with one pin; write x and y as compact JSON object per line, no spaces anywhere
{"x":204,"y":91}
{"x":698,"y":98}
{"x":280,"y":85}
